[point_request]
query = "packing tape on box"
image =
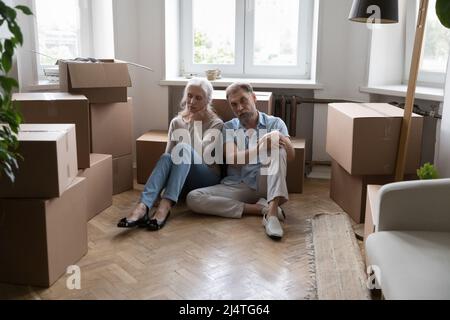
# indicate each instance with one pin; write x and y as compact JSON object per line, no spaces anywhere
{"x":388,"y":124}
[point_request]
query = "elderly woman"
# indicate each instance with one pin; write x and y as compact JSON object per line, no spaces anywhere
{"x":177,"y":177}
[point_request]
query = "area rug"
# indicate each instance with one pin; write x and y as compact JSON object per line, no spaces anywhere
{"x":339,"y":265}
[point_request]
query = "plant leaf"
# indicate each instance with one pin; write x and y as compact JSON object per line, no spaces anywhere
{"x":443,"y":12}
{"x":24,"y":10}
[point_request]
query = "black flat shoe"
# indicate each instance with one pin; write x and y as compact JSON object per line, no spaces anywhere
{"x":142,"y":222}
{"x":154,"y":225}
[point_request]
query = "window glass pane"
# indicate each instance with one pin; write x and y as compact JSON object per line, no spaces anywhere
{"x":276,"y":32}
{"x":214,"y":31}
{"x":437,"y":43}
{"x":58,"y":25}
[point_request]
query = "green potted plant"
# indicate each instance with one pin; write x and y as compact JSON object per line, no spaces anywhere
{"x":427,"y":172}
{"x":10,"y":118}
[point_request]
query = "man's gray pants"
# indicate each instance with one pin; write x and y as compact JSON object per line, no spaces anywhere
{"x":228,"y":200}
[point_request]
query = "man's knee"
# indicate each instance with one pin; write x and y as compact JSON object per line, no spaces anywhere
{"x":194,"y":200}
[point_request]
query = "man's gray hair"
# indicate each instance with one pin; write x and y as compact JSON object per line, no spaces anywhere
{"x":247,"y":87}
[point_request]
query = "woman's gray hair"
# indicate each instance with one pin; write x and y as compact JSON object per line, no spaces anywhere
{"x":207,"y":89}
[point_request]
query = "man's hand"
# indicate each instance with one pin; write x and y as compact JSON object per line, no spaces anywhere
{"x":269,"y":141}
{"x":275,"y":139}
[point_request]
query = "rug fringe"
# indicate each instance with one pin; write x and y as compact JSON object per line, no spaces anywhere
{"x":312,"y":290}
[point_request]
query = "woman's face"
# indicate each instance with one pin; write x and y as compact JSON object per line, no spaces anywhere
{"x":195,"y":99}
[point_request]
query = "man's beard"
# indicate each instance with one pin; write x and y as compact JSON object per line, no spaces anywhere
{"x":245,"y":118}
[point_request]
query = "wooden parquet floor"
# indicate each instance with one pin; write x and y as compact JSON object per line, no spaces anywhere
{"x":193,"y":256}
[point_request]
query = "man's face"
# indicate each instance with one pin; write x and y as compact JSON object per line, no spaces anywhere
{"x":243,"y":105}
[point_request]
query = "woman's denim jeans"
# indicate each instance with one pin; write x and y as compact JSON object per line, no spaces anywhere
{"x":177,"y":179}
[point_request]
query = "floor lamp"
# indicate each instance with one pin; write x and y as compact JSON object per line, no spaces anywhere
{"x":386,"y":11}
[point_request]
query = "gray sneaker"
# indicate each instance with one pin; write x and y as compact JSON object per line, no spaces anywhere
{"x":273,"y":227}
{"x":263,"y":202}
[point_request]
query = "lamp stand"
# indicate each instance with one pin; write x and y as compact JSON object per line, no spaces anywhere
{"x":409,"y":104}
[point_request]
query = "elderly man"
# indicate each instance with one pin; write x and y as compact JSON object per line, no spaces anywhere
{"x":247,"y":184}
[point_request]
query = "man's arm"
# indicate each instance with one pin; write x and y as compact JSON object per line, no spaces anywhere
{"x":232,"y":154}
{"x":286,"y":143}
{"x":283,"y":142}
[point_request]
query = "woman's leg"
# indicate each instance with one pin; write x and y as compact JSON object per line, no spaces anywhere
{"x":153,"y":187}
{"x":176,"y":181}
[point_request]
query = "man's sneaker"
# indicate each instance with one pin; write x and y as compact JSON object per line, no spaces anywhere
{"x":273,"y":227}
{"x":263,"y":202}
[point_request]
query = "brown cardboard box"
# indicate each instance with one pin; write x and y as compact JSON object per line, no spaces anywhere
{"x":59,"y":107}
{"x":104,"y":82}
{"x":371,"y":203}
{"x":39,"y":239}
{"x":111,"y":128}
{"x":350,"y":191}
{"x":264,"y":103}
{"x":122,"y":174}
{"x":49,"y":162}
{"x":151,"y":145}
{"x":99,"y":183}
{"x":296,"y":169}
{"x":363,"y":138}
{"x":149,"y":148}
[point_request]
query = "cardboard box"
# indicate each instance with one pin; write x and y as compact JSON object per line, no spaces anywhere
{"x":149,"y":148}
{"x":363,"y":138}
{"x":99,"y":183}
{"x":39,"y":239}
{"x":49,"y":162}
{"x":122,"y":174}
{"x":111,"y":128}
{"x":59,"y":107}
{"x":350,"y":191}
{"x":296,"y":169}
{"x":103,"y":82}
{"x":371,"y":203}
{"x":264,"y":103}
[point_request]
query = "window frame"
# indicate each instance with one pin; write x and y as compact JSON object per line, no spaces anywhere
{"x":84,"y":40}
{"x":244,"y":66}
{"x":425,"y":78}
{"x":187,"y":42}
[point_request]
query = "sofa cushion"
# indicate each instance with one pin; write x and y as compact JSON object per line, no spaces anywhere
{"x":412,"y":264}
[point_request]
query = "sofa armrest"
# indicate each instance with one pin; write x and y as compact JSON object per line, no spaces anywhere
{"x":415,"y":206}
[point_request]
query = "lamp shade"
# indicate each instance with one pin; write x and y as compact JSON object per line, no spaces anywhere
{"x":378,"y":11}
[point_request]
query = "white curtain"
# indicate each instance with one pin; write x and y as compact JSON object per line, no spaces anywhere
{"x":443,"y":161}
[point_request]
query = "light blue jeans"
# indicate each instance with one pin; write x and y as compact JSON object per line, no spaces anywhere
{"x":178,"y":179}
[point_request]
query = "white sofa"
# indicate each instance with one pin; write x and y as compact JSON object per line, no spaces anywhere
{"x":411,"y":245}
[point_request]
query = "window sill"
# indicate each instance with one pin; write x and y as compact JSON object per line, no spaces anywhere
{"x":256,"y":83}
{"x":422,"y":93}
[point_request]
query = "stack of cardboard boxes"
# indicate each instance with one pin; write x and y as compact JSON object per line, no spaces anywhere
{"x":43,"y":213}
{"x":76,"y":147}
{"x":105,"y":85}
{"x":362,"y":140}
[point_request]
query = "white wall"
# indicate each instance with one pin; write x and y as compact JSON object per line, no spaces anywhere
{"x":139,"y":38}
{"x":103,"y":29}
{"x":343,"y":48}
{"x":443,"y":158}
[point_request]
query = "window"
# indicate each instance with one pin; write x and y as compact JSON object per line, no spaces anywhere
{"x":436,"y":46}
{"x":62,"y":31}
{"x":248,"y":37}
